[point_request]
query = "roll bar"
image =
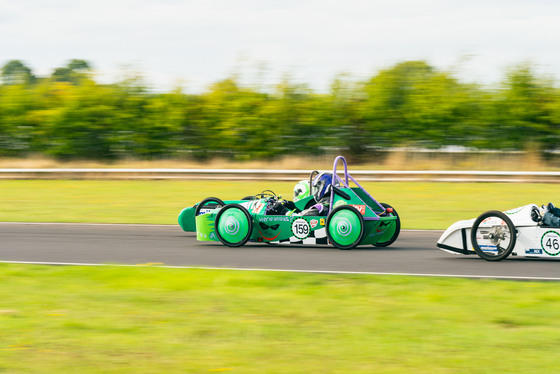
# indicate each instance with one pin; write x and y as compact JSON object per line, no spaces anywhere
{"x":344,"y":182}
{"x":345,"y":168}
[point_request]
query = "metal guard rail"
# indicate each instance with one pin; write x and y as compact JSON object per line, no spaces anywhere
{"x":288,"y":175}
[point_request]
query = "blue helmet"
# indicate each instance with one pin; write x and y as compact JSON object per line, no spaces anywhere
{"x":321,"y":185}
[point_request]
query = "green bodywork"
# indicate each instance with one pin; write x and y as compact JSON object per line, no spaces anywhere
{"x":187,"y":221}
{"x":186,"y":217}
{"x":305,"y":229}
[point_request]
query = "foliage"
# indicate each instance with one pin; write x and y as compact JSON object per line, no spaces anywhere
{"x":15,"y":72}
{"x":70,"y":115}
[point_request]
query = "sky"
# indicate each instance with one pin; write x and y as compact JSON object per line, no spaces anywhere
{"x":194,"y":43}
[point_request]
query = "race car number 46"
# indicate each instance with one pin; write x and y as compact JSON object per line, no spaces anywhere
{"x":550,"y":242}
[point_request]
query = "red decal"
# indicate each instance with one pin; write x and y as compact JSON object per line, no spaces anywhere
{"x":265,"y":238}
{"x":382,"y":226}
{"x":361,"y":209}
{"x":257,"y":208}
{"x":313,"y":223}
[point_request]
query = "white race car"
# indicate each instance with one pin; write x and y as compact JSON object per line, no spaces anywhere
{"x":495,"y":235}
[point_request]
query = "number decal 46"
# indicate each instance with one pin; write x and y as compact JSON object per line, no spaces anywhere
{"x":550,"y":243}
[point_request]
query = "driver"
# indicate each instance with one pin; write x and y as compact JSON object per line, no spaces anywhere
{"x":321,"y":188}
{"x":551,"y":216}
{"x":301,"y":190}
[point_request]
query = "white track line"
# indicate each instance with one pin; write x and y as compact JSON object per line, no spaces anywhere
{"x":501,"y":277}
{"x":253,"y":269}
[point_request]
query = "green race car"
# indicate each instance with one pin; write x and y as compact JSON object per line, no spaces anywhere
{"x":325,"y":210}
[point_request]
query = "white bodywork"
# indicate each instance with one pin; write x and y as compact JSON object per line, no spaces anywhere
{"x":533,"y":238}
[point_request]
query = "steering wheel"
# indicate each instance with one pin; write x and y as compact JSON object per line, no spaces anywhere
{"x":266,"y":193}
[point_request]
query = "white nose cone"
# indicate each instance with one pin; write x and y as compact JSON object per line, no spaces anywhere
{"x":456,"y":238}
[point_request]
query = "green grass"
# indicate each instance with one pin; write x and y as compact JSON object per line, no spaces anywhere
{"x":153,"y":320}
{"x":420,"y":205}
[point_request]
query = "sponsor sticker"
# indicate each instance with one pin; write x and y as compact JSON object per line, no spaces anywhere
{"x":257,"y":207}
{"x":360,"y":208}
{"x":534,"y":251}
{"x":275,"y":219}
{"x":313,"y":223}
{"x":322,"y":222}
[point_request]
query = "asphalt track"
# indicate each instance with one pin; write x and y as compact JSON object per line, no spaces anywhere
{"x":414,"y":253}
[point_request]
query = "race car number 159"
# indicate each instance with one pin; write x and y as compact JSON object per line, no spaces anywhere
{"x":300,"y":228}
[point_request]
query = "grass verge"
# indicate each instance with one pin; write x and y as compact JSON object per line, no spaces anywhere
{"x":151,"y":320}
{"x":420,"y":205}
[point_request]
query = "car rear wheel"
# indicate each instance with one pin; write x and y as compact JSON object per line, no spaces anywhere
{"x":397,"y":228}
{"x":208,"y":203}
{"x":493,"y":236}
{"x":234,"y":225}
{"x":345,"y":227}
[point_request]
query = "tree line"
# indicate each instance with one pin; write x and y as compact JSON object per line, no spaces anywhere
{"x":69,"y":115}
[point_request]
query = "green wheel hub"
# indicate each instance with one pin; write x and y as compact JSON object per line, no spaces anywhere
{"x":345,"y":227}
{"x":233,"y":225}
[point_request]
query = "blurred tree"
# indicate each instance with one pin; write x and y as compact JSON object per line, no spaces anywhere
{"x":414,"y":104}
{"x":349,"y":128}
{"x":15,"y":133}
{"x":158,"y":133}
{"x":85,"y":125}
{"x":15,"y":72}
{"x":187,"y":113}
{"x":296,"y":123}
{"x":232,"y":124}
{"x":389,"y":93}
{"x":73,"y":72}
{"x":523,"y":111}
{"x":410,"y":103}
{"x":441,"y":111}
{"x":552,"y":140}
{"x":79,"y":65}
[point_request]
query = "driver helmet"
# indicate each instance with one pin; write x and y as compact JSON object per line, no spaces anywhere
{"x":301,"y":190}
{"x":321,"y":185}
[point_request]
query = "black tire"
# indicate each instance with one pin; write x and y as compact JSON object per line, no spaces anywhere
{"x":332,"y":238}
{"x":215,"y":203}
{"x":491,"y":233}
{"x":247,"y":220}
{"x":397,"y":230}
